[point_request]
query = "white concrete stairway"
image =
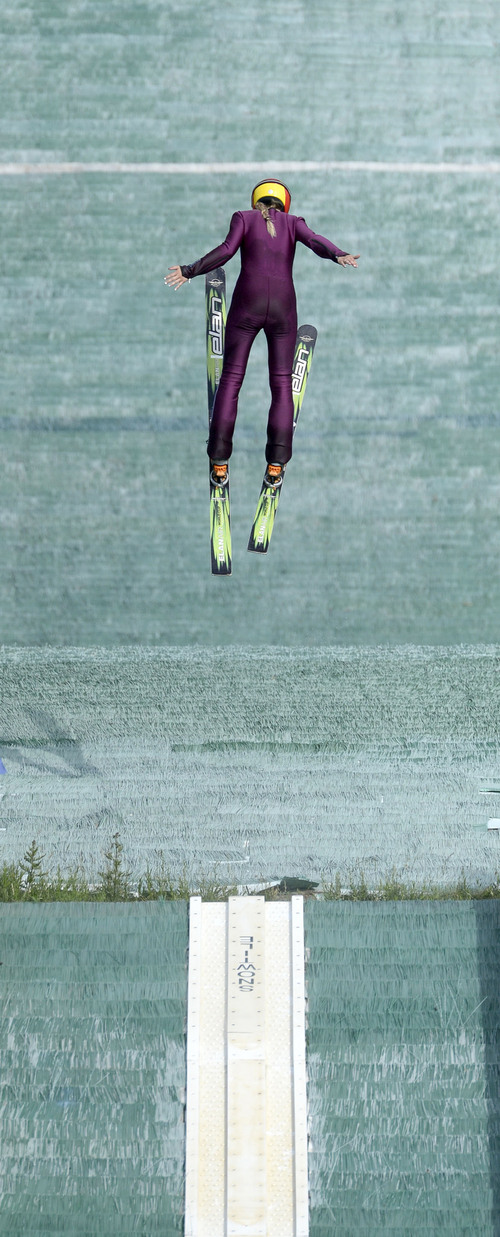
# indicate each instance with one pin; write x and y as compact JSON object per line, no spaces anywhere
{"x":246,"y":1109}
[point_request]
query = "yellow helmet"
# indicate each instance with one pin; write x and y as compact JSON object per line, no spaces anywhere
{"x":272,"y":189}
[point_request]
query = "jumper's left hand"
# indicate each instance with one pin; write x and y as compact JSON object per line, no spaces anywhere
{"x":176,"y":279}
{"x":349,"y":259}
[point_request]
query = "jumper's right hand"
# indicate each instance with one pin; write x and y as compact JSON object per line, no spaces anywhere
{"x":176,"y":279}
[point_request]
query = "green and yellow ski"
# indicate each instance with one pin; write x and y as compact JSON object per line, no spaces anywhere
{"x":220,"y":529}
{"x":269,"y":497}
{"x":220,"y":517}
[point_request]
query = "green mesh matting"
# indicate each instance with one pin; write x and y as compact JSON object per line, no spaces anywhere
{"x":256,"y":763}
{"x":93,"y":1069}
{"x":389,"y":526}
{"x":148,"y":79}
{"x":403,"y":1064}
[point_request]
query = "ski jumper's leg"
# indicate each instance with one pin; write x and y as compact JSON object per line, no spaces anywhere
{"x":281,"y":347}
{"x":239,"y":340}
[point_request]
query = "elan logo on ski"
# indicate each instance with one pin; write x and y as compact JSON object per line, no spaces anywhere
{"x":220,"y":511}
{"x":300,"y":370}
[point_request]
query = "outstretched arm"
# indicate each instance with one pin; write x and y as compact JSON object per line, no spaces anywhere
{"x":323,"y":247}
{"x":216,"y":257}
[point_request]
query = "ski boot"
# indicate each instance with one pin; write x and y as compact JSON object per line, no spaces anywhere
{"x":219,"y":472}
{"x":274,"y":475}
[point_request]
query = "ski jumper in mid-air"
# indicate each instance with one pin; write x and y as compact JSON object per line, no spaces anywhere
{"x":263,"y":299}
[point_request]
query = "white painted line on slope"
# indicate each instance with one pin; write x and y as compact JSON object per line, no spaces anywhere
{"x":268,"y":168}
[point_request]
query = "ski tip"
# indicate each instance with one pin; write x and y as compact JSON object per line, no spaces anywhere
{"x":307,"y":333}
{"x":215,"y":279}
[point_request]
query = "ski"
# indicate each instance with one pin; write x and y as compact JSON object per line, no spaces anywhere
{"x":269,"y":497}
{"x":220,"y":519}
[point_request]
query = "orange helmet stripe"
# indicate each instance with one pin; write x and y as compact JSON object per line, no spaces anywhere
{"x":272,"y":189}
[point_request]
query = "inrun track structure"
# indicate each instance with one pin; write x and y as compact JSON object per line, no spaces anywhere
{"x":246,"y":1111}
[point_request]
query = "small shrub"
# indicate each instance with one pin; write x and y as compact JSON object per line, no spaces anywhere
{"x":33,"y":878}
{"x":115,"y":880}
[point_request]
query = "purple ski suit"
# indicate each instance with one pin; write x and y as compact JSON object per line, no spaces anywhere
{"x":264,"y":298}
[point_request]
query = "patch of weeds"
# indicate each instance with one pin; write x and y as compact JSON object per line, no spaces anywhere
{"x":393,"y":888}
{"x":72,"y":887}
{"x":28,"y":881}
{"x":359,"y":889}
{"x":161,"y":885}
{"x":212,"y":889}
{"x":11,"y":889}
{"x":332,"y":889}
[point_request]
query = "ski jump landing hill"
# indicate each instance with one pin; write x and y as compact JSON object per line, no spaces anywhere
{"x":331,"y":709}
{"x":255,"y":764}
